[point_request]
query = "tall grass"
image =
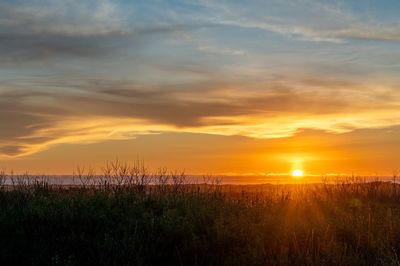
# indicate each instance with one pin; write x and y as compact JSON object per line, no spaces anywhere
{"x":130,"y":216}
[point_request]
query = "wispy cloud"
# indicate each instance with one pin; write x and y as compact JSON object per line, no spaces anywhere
{"x":311,"y":21}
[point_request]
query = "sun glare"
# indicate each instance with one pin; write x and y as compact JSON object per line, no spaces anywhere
{"x":297,"y":173}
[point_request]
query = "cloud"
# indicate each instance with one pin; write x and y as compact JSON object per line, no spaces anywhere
{"x":106,"y":109}
{"x":72,"y":17}
{"x":355,"y":30}
{"x":308,"y":20}
{"x":42,"y":30}
{"x":72,"y":29}
{"x":152,"y":76}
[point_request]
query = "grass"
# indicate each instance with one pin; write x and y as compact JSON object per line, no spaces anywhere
{"x":131,"y":217}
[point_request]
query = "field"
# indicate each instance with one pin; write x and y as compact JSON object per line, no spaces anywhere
{"x":130,"y":217}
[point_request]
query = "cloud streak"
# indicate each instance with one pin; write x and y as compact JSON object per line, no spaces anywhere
{"x":319,"y":22}
{"x":269,"y":110}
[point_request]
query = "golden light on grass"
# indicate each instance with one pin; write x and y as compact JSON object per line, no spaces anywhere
{"x":297,"y":173}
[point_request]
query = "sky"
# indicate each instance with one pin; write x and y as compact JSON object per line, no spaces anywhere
{"x":222,"y":87}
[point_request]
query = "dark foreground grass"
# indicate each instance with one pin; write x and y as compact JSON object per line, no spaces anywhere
{"x":177,"y":224}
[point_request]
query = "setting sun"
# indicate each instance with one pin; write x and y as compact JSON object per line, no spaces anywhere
{"x":297,"y":173}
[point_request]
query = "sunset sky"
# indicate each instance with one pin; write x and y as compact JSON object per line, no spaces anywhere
{"x":221,"y":87}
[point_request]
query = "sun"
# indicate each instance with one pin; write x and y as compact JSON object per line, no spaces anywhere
{"x":297,"y":173}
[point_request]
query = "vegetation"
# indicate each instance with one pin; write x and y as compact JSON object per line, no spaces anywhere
{"x":128,"y":216}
